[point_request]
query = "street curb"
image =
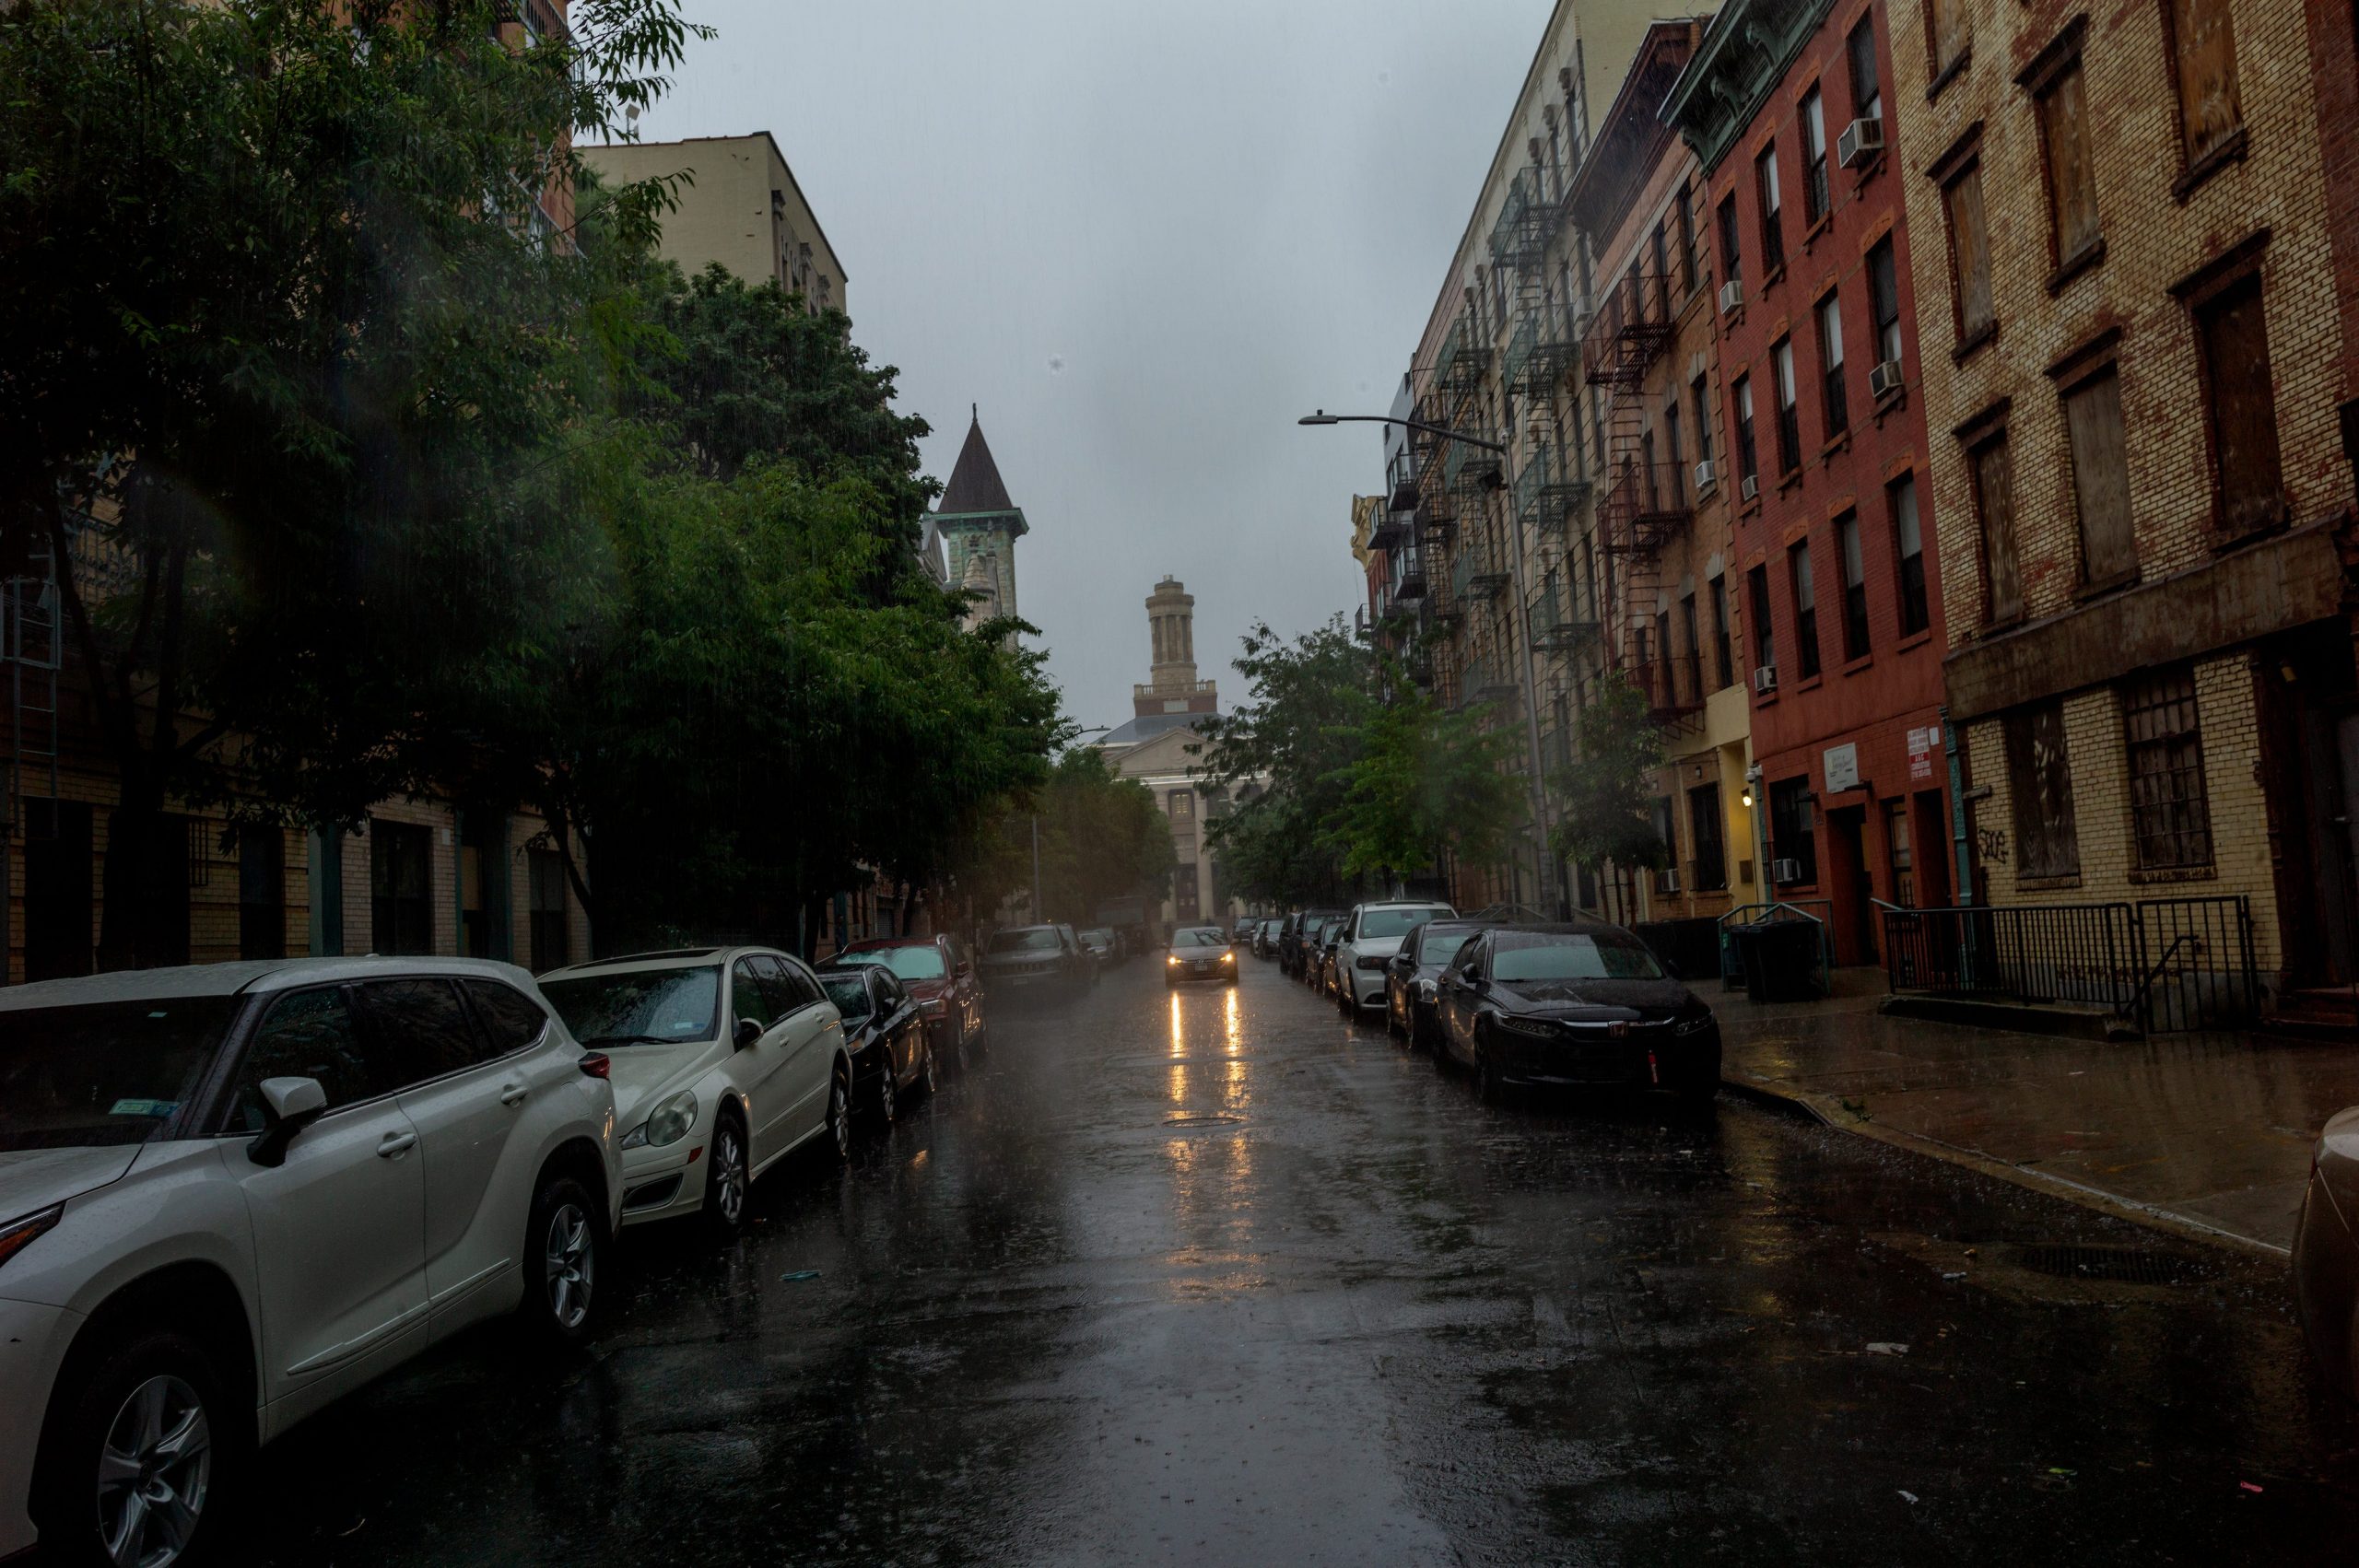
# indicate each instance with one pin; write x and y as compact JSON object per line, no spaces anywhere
{"x":2152,"y":1216}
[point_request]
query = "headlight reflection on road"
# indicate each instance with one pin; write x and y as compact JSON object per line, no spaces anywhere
{"x":1232,"y":1022}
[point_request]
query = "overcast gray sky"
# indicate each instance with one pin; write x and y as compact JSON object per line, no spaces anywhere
{"x":1144,"y":238}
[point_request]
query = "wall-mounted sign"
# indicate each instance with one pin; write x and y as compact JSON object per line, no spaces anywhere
{"x":1922,"y":743}
{"x":1842,"y":769}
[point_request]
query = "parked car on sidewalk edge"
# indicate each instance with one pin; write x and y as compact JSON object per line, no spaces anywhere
{"x":1576,"y":1004}
{"x":942,"y":983}
{"x":1412,"y":973}
{"x":1294,"y":940}
{"x":233,"y":1193}
{"x":1371,"y":935}
{"x":1036,"y":961}
{"x":726,"y":1059}
{"x":892,"y":1054}
{"x":2326,"y":1258}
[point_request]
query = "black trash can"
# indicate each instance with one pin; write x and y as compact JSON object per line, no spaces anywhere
{"x":1780,"y":959}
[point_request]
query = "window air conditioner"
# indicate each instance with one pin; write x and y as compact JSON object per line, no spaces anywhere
{"x":1860,"y":141}
{"x":1749,"y":487}
{"x":1732,"y":294}
{"x":1667,"y":882}
{"x":1884,"y":379}
{"x":1784,"y":872}
{"x":1706,"y":476}
{"x":1765,"y":680}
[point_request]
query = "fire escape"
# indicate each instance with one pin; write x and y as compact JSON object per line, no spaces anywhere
{"x":1647,"y":500}
{"x":30,"y":643}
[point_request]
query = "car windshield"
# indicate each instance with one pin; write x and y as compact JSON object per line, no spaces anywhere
{"x":1098,"y":935}
{"x":1200,"y":936}
{"x":1042,"y":940}
{"x":1436,"y":940}
{"x":1568,"y":956}
{"x":110,"y":1072}
{"x":849,"y":993}
{"x":638,"y":1007}
{"x":1394,"y":922}
{"x":918,"y":962}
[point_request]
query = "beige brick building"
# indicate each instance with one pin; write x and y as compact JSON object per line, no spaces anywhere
{"x":740,"y":206}
{"x":2128,"y":308}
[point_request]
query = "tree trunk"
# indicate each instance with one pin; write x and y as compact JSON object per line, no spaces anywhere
{"x":146,"y":863}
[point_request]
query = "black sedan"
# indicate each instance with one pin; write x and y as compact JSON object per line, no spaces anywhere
{"x":885,"y":1034}
{"x":1201,"y":952}
{"x":1412,"y":976}
{"x":1581,"y":1004}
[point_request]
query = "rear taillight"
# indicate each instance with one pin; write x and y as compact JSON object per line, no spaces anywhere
{"x":18,"y":1234}
{"x":595,"y":1064}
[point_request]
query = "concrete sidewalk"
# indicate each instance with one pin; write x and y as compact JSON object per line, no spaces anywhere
{"x":2209,"y":1134}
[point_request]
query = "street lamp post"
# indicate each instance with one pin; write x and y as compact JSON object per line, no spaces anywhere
{"x":1539,"y":802}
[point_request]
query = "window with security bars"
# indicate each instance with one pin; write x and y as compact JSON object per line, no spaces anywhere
{"x":2169,"y":816}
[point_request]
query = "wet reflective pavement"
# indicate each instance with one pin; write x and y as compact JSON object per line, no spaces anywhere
{"x":1218,"y":1277}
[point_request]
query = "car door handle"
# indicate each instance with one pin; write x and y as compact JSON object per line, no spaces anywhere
{"x":513,"y":1093}
{"x":394,"y":1145}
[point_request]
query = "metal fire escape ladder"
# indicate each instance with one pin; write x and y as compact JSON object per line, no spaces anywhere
{"x":31,"y":645}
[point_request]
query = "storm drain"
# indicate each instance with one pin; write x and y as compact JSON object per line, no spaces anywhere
{"x":2117,"y":1264}
{"x":1202,"y":1119}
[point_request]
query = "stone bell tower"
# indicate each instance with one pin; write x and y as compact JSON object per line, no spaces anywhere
{"x":1172,"y":630}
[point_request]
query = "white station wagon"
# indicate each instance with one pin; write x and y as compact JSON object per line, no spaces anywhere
{"x":231,"y":1193}
{"x":726,"y":1059}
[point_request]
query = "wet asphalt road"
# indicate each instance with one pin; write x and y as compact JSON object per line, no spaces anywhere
{"x":1220,"y":1278}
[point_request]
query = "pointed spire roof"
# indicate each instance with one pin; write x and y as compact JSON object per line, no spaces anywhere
{"x":975,"y":484}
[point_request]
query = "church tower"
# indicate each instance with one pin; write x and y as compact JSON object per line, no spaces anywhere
{"x":978,"y":526}
{"x":1172,"y":628}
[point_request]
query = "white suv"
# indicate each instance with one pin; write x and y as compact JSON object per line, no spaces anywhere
{"x":1371,"y":936}
{"x":231,"y":1193}
{"x":726,"y":1060}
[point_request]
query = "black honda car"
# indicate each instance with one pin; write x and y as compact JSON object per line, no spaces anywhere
{"x":1582,"y":1004}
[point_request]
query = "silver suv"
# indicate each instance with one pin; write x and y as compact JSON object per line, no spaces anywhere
{"x":231,"y":1193}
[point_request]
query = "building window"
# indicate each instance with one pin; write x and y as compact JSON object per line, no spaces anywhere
{"x":1789,"y":422}
{"x":1748,"y":456}
{"x":1994,"y":506}
{"x":2073,"y":232}
{"x":1671,"y":450}
{"x":2100,"y":479}
{"x":1773,"y":225}
{"x":401,"y":903}
{"x":544,"y":871}
{"x":1952,"y":33}
{"x":2169,"y":814}
{"x":262,"y":893}
{"x":1805,"y":592}
{"x":1909,"y":549}
{"x":1836,"y":407}
{"x":1708,"y":867}
{"x":1793,"y":830}
{"x":2040,"y":776}
{"x":1732,"y":254}
{"x":1976,"y":317}
{"x":1765,"y":645}
{"x":1686,"y":238}
{"x":1691,"y":656}
{"x":1883,"y":301}
{"x":1700,"y":399}
{"x":1725,"y":674}
{"x":2203,"y":55}
{"x":1867,"y":81}
{"x":1183,"y":805}
{"x":1855,"y":587}
{"x":1813,"y":116}
{"x":2241,"y":411}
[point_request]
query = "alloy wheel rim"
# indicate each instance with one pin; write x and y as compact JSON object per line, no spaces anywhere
{"x":155,"y":1467}
{"x":838,"y":1105}
{"x":729,"y":1166}
{"x":886,"y":1092}
{"x":570,"y":1262}
{"x":925,"y":1071}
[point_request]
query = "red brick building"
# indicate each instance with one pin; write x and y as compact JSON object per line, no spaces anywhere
{"x":1789,"y":107}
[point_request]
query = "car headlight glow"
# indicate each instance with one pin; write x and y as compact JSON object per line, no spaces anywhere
{"x":668,"y":1124}
{"x":1229,"y":958}
{"x":1173,"y":958}
{"x":1540,"y":1026}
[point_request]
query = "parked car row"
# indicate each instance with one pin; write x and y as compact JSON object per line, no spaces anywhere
{"x":231,"y":1194}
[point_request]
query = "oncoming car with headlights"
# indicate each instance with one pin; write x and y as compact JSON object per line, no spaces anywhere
{"x":1200,"y":952}
{"x":725,"y":1060}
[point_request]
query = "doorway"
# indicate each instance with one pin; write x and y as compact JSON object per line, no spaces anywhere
{"x":1852,"y":886}
{"x":58,"y":869}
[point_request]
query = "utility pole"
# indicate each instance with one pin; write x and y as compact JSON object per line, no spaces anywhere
{"x":1037,"y":914}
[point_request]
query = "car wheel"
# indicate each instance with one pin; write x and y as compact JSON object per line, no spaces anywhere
{"x":838,"y":1126}
{"x":727,"y":1182}
{"x":927,"y":1081}
{"x":1488,"y":1081}
{"x":1393,"y":1020}
{"x":561,"y":1256}
{"x":142,"y":1458}
{"x":887,"y":1099}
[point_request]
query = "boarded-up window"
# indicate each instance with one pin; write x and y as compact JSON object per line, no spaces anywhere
{"x":2072,"y":180}
{"x":1951,"y":32}
{"x":2242,"y":412}
{"x":1994,"y":505}
{"x":2205,"y":56}
{"x":1969,"y":255}
{"x":2169,"y":814}
{"x":2039,"y":776}
{"x":2101,"y":478}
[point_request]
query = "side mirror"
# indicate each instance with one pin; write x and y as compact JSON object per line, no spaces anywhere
{"x":1470,"y":975}
{"x":288,"y":1105}
{"x":1671,"y":969}
{"x":747,"y":1033}
{"x":966,"y":967}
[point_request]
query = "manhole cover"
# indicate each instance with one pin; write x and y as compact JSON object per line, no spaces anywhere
{"x":1203,"y":1119}
{"x":2118,"y":1265}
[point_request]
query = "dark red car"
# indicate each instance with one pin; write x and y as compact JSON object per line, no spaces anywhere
{"x":941,"y":983}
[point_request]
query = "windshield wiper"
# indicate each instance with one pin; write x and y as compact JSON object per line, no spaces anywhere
{"x":626,"y":1040}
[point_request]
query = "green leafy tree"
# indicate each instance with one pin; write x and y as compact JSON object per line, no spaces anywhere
{"x":282,"y":345}
{"x":1428,"y":781}
{"x":1102,"y":837}
{"x":1606,"y":814}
